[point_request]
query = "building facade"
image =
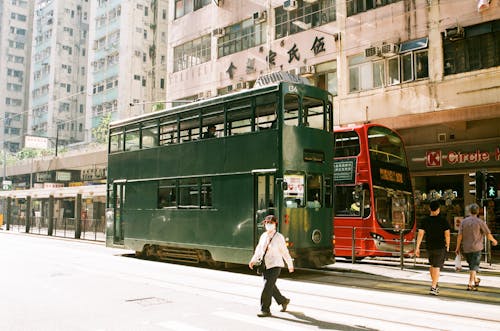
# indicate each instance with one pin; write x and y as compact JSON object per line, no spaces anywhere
{"x":127,"y":71}
{"x":58,"y":70}
{"x":427,"y":68}
{"x":16,"y":17}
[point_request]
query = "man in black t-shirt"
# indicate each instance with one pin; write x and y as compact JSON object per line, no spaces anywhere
{"x":437,"y":242}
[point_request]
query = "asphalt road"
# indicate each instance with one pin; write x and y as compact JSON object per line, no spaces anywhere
{"x":54,"y":284}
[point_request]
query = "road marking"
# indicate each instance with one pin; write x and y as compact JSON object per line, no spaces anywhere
{"x":267,"y":322}
{"x":176,"y":326}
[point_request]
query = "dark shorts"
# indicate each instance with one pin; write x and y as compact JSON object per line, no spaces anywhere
{"x":437,"y":257}
{"x":473,"y":260}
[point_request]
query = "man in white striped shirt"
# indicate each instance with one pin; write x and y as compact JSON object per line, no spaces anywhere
{"x":272,"y":247}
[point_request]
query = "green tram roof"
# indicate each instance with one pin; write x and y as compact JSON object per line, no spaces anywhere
{"x":274,"y":86}
{"x":195,"y":104}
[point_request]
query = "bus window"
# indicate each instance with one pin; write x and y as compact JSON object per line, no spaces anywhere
{"x":294,"y":192}
{"x":166,"y":194}
{"x":345,"y":205}
{"x":291,"y":115}
{"x":314,"y":114}
{"x":116,"y":141}
{"x":132,"y":139}
{"x":385,"y":145}
{"x":346,"y":144}
{"x":265,"y":112}
{"x":149,"y":134}
{"x":314,"y":191}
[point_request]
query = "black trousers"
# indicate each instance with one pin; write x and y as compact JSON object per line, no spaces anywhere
{"x":270,"y":290}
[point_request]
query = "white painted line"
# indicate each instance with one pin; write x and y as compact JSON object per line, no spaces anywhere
{"x":267,"y":322}
{"x":177,"y":326}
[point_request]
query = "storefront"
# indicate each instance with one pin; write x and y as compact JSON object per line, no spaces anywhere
{"x":442,"y":172}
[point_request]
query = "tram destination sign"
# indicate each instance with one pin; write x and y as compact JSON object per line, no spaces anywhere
{"x":344,"y":171}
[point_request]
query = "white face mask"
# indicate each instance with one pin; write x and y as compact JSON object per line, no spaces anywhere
{"x":270,"y":226}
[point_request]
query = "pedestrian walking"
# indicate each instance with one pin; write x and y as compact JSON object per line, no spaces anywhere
{"x":271,"y":251}
{"x":471,"y":237}
{"x":437,"y":241}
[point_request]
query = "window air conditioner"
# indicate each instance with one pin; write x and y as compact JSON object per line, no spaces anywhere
{"x":290,"y":5}
{"x":455,"y":33}
{"x":307,"y":70}
{"x":260,"y":16}
{"x":372,"y":52}
{"x":389,"y":49}
{"x":219,"y":32}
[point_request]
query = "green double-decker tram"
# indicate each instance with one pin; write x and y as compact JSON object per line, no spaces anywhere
{"x":193,"y":183}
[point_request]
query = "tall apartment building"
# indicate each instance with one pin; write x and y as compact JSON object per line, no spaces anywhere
{"x":58,"y":70}
{"x":127,"y":58}
{"x":15,"y":53}
{"x":427,"y":68}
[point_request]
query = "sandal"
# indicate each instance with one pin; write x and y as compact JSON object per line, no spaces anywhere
{"x":471,"y":288}
{"x":476,"y":283}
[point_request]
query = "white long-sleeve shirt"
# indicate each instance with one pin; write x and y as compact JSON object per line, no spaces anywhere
{"x":276,"y":251}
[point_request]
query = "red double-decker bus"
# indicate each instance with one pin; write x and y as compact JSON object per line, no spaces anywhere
{"x":374,"y":208}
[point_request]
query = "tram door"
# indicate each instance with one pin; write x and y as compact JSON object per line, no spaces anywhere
{"x":118,"y":224}
{"x":264,"y":201}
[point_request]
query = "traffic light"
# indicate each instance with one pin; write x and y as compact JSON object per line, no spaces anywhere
{"x":477,"y":184}
{"x":491,"y":187}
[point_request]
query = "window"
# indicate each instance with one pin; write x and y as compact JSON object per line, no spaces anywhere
{"x":183,"y":7}
{"x":409,"y":65}
{"x":116,"y":141}
{"x":132,"y":139}
{"x":188,"y":193}
{"x":346,"y":144}
{"x":314,"y":192}
{"x":185,"y":193}
{"x":192,"y":53}
{"x":316,"y":14}
{"x":149,"y":134}
{"x":478,"y":49}
{"x":241,"y":36}
{"x":359,"y":6}
{"x":167,"y":194}
{"x":291,"y":115}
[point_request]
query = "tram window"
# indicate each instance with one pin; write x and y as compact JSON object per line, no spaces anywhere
{"x":168,"y":132}
{"x":314,"y":112}
{"x":291,"y":115}
{"x":314,"y":191}
{"x":190,"y":128}
{"x":132,"y":140}
{"x":206,"y":192}
{"x":328,"y":192}
{"x":239,"y":117}
{"x":167,"y":194}
{"x":149,"y":134}
{"x":265,"y":112}
{"x":116,"y":142}
{"x":346,"y":144}
{"x":188,"y":193}
{"x":294,"y":192}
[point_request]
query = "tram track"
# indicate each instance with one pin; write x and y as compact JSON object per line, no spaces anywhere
{"x":333,"y":304}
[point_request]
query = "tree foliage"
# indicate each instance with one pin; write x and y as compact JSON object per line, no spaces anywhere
{"x":100,"y":132}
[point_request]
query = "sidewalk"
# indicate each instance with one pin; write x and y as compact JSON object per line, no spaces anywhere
{"x":418,"y":270}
